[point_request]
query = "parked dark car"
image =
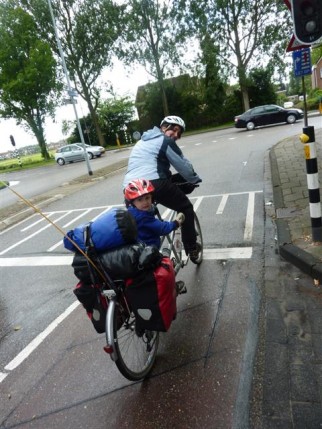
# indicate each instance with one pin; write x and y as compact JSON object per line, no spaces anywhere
{"x":267,"y":115}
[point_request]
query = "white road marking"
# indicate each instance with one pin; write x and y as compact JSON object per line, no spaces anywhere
{"x":222,"y":204}
{"x":42,"y":261}
{"x":228,"y":253}
{"x":32,"y":235}
{"x":36,"y":223}
{"x":3,"y":375}
{"x":36,"y":261}
{"x":197,"y":204}
{"x":248,"y":232}
{"x":40,"y":338}
{"x":60,"y":242}
{"x":77,"y":217}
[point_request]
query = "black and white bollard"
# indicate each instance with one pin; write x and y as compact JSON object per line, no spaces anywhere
{"x":308,"y":139}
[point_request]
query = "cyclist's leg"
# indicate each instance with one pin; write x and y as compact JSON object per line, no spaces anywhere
{"x":169,"y":195}
{"x":199,"y":256}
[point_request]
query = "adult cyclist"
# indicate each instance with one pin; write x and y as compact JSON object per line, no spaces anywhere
{"x":151,"y":158}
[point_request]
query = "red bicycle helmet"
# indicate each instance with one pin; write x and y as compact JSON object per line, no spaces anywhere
{"x":137,"y":188}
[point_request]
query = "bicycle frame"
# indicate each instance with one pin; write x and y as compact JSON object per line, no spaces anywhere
{"x":175,"y":255}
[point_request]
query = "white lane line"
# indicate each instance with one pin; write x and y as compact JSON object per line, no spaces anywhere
{"x":197,"y":204}
{"x":228,"y":253}
{"x":222,"y":204}
{"x":40,"y":338}
{"x":36,"y":261}
{"x":248,"y":232}
{"x":36,"y":223}
{"x":32,"y":235}
{"x":229,"y":193}
{"x":76,"y":218}
{"x":104,"y":211}
{"x":42,"y":261}
{"x":3,"y":375}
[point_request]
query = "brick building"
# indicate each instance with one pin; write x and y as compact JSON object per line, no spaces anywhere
{"x":317,"y":75}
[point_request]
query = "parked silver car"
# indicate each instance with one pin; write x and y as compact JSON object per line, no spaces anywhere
{"x":75,"y":152}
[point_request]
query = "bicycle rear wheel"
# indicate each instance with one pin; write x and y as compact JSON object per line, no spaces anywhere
{"x":199,"y":240}
{"x":136,"y":351}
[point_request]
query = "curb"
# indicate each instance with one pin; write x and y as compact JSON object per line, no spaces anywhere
{"x":303,"y":260}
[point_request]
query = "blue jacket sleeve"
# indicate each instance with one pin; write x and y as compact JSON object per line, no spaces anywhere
{"x":180,"y":163}
{"x":160,"y":227}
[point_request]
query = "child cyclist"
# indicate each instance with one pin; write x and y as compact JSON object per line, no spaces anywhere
{"x":138,"y":198}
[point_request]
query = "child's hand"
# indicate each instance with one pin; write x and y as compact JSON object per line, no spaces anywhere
{"x":180,"y":218}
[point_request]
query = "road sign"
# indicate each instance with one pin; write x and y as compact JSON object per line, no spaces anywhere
{"x":295,"y":45}
{"x":302,"y":62}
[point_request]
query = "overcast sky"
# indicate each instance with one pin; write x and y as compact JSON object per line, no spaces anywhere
{"x":125,"y":82}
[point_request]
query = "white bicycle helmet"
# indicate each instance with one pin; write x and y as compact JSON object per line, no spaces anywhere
{"x":174,"y":120}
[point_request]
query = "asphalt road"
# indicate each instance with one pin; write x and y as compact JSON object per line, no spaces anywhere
{"x":31,"y":183}
{"x":54,"y":372}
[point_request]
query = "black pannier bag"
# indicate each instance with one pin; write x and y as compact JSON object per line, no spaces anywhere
{"x":120,"y":263}
{"x":94,"y":303}
{"x":123,"y":262}
{"x":152,"y":297}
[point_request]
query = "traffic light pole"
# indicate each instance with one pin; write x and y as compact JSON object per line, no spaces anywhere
{"x":70,"y":91}
{"x":307,"y":27}
{"x":308,"y":139}
{"x":305,"y":104}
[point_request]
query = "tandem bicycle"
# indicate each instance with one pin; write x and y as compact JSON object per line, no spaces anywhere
{"x":134,"y":352}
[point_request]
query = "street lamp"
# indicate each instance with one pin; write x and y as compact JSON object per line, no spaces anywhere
{"x":71,"y":91}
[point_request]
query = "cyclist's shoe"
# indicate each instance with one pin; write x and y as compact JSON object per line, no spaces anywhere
{"x":180,"y":287}
{"x":195,"y":253}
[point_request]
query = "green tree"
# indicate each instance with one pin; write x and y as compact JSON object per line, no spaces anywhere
{"x":213,"y":82}
{"x":261,"y":89}
{"x":246,"y":33}
{"x":28,"y":83}
{"x":89,"y":31}
{"x":114,"y":115}
{"x":316,"y":54}
{"x":155,"y":34}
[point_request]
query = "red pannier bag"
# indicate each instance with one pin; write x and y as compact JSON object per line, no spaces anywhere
{"x":152,"y":297}
{"x":94,"y":303}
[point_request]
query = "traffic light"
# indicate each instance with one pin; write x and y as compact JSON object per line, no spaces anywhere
{"x":307,"y":20}
{"x":12,"y":141}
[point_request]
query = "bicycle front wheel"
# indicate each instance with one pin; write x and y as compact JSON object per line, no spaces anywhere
{"x":135,"y":350}
{"x":199,"y":240}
